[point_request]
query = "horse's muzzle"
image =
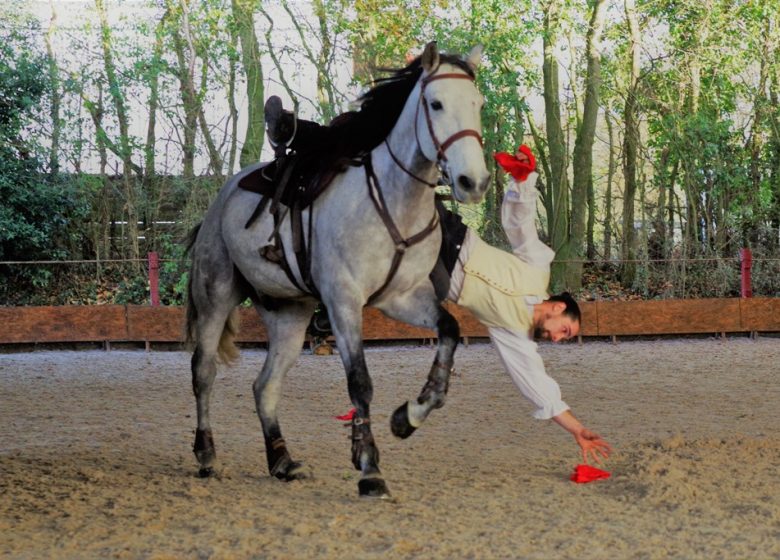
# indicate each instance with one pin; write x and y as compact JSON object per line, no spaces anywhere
{"x":468,"y":191}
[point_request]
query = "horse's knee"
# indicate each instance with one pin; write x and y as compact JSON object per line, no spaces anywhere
{"x":447,"y":326}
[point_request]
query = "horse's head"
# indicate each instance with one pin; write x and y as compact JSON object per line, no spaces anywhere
{"x":449,"y":125}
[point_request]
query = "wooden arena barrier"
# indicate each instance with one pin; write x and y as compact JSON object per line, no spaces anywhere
{"x":683,"y":316}
{"x":68,"y":323}
{"x":589,"y":326}
{"x":760,"y":314}
{"x":155,"y":324}
{"x":141,"y":323}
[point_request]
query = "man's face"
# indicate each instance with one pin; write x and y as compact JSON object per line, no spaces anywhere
{"x":555,"y":326}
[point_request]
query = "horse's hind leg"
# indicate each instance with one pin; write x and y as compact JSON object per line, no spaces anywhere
{"x":285,"y":322}
{"x":212,"y":323}
{"x":423,"y":309}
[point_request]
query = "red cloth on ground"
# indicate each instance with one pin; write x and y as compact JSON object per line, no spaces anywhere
{"x":586,"y":473}
{"x":516,"y":168}
{"x":348,"y":416}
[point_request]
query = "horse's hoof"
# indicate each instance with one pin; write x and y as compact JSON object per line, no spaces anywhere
{"x":399,"y":422}
{"x":206,"y":472}
{"x":373,"y":488}
{"x":293,"y":471}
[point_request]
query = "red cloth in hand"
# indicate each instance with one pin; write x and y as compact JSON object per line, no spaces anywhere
{"x":348,"y":416}
{"x":586,"y":473}
{"x":516,"y":168}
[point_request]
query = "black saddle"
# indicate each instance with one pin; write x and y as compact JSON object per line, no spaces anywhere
{"x":291,"y":180}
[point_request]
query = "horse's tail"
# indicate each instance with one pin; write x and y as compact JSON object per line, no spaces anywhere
{"x":227,"y":351}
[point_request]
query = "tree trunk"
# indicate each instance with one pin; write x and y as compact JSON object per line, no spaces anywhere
{"x":540,"y":149}
{"x":630,"y":148}
{"x":671,"y":208}
{"x":215,"y":158}
{"x":193,"y":107}
{"x":610,"y":181}
{"x":231,"y":99}
{"x":491,"y":230}
{"x":117,"y":97}
{"x":582,"y":181}
{"x":774,"y":158}
{"x":657,"y":243}
{"x":326,"y":98}
{"x":56,"y":95}
{"x":754,"y":145}
{"x":590,"y":234}
{"x":102,"y":232}
{"x":189,"y":104}
{"x":558,"y":209}
{"x":150,"y":182}
{"x":244,"y":16}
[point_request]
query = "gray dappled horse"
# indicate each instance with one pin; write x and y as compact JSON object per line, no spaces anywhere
{"x":374,"y":240}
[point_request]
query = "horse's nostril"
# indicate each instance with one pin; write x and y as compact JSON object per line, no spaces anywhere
{"x":484,"y":184}
{"x":466,"y":183}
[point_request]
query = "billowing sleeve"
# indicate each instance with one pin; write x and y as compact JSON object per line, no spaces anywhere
{"x":525,"y":366}
{"x":518,"y":211}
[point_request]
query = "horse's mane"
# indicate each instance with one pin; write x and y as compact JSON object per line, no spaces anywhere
{"x":381,"y":106}
{"x":379,"y":110}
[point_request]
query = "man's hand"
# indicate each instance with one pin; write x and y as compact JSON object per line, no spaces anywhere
{"x":592,"y":445}
{"x":590,"y":442}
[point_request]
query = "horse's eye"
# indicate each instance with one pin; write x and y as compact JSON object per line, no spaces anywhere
{"x":436,"y":105}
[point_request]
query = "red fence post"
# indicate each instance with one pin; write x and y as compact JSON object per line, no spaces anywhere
{"x":154,"y":278}
{"x":746,"y":260}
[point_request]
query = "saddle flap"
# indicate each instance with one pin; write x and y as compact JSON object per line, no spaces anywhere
{"x":260,"y":180}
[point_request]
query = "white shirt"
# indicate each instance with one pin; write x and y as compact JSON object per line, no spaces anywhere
{"x":518,"y":352}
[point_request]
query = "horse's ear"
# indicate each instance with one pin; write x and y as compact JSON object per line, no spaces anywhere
{"x":430,"y":57}
{"x":474,"y":59}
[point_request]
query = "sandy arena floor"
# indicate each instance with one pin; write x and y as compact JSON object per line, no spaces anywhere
{"x":96,"y":458}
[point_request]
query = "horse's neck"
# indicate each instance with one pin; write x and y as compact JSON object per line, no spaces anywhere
{"x":400,"y":190}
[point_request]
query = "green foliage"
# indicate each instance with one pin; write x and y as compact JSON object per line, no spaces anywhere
{"x":38,"y":210}
{"x":709,"y":127}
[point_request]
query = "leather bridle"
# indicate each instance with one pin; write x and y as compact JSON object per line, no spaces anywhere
{"x":441,"y":147}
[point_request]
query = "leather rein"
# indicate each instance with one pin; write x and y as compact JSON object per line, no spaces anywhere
{"x":375,"y":190}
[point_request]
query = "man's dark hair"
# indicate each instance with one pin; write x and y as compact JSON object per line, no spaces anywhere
{"x":572,"y":308}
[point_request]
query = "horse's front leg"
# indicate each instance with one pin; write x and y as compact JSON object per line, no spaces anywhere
{"x":422,"y":308}
{"x":346,"y":319}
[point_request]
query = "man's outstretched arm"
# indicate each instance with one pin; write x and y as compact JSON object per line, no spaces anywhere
{"x":525,"y":366}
